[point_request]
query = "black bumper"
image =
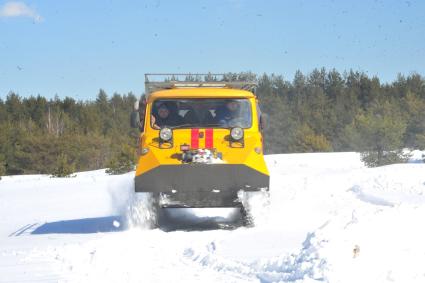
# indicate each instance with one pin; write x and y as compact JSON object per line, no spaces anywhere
{"x":201,"y":185}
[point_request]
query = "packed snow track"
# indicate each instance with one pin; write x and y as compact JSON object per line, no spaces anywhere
{"x":330,"y":220}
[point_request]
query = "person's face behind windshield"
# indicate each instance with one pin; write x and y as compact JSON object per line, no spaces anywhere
{"x":163,"y":112}
{"x":232,"y":106}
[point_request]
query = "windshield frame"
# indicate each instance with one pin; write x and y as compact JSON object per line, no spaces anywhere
{"x":212,"y":125}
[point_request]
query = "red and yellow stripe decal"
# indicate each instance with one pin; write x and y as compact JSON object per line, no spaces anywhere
{"x":209,"y":138}
{"x":194,"y":140}
{"x":197,"y":136}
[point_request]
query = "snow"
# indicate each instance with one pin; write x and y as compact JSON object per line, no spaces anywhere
{"x":330,"y":219}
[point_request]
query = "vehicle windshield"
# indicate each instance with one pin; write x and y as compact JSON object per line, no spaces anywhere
{"x":201,"y":113}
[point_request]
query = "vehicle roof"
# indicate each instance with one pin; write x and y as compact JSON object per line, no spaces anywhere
{"x":200,"y":92}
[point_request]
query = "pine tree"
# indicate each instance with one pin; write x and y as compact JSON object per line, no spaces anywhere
{"x":379,"y":133}
{"x":414,"y":113}
{"x":420,"y":138}
{"x":122,"y":162}
{"x":307,"y":141}
{"x":63,"y":168}
{"x":2,"y":166}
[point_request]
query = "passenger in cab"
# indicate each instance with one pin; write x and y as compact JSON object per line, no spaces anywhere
{"x":166,"y":116}
{"x":199,"y":115}
{"x":229,"y":114}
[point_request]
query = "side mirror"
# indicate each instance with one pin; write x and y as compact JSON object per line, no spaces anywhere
{"x":135,"y":119}
{"x":136,"y":105}
{"x":263,"y":121}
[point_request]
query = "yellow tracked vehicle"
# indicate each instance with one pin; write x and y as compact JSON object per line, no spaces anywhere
{"x":201,"y":142}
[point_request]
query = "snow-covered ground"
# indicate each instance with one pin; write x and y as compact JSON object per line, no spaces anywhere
{"x":331,"y":219}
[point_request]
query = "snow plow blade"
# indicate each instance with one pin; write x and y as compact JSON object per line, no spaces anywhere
{"x":201,"y":185}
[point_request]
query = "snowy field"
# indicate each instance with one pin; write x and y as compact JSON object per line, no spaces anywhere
{"x":331,"y":220}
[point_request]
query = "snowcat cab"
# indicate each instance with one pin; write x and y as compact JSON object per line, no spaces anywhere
{"x":201,"y":142}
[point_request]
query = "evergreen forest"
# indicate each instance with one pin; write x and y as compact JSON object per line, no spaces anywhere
{"x":322,"y":111}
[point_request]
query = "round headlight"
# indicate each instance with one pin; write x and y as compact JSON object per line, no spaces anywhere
{"x":166,"y":134}
{"x":236,"y":133}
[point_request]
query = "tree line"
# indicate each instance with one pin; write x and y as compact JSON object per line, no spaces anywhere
{"x":330,"y":111}
{"x":60,"y":136}
{"x":324,"y":110}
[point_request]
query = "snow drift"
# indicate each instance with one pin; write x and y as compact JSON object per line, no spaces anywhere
{"x":330,"y":219}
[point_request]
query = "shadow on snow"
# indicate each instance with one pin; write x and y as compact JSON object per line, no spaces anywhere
{"x":173,"y":219}
{"x":83,"y":226}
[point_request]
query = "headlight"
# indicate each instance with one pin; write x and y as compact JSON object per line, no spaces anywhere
{"x":166,"y":134}
{"x":236,"y":133}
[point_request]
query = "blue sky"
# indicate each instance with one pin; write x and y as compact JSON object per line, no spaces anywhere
{"x":73,"y":48}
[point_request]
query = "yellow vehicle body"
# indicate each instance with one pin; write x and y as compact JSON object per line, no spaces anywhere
{"x":242,"y":168}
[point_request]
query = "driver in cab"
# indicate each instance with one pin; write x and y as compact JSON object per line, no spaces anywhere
{"x":166,"y":116}
{"x":228,"y":115}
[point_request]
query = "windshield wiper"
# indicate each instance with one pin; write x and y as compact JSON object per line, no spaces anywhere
{"x":184,"y":126}
{"x":212,"y":125}
{"x":197,"y":126}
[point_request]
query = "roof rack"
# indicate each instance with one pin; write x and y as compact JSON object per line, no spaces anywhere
{"x":155,"y":82}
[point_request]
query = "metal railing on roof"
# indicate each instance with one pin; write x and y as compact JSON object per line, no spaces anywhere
{"x":155,"y":82}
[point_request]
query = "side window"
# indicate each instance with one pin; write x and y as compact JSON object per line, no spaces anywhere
{"x":142,"y":112}
{"x":258,"y":115}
